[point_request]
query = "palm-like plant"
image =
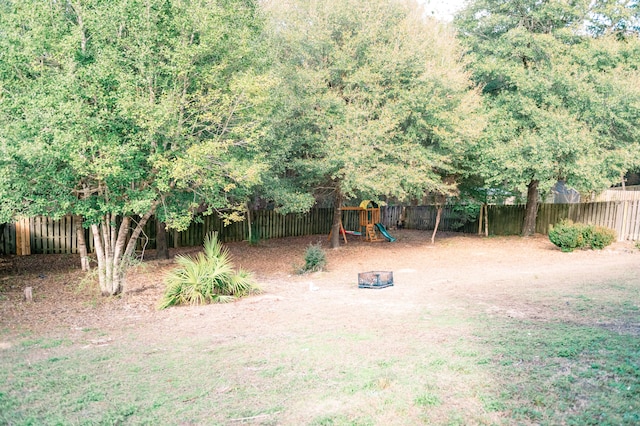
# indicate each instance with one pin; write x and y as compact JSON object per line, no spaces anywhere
{"x":207,"y":278}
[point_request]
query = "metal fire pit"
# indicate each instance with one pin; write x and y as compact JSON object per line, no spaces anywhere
{"x":375,"y":279}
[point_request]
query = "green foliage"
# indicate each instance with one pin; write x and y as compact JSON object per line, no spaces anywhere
{"x":315,"y":259}
{"x":567,"y":236}
{"x":427,"y":400}
{"x":372,"y":100}
{"x":115,"y":119}
{"x":207,"y":278}
{"x":463,"y":213}
{"x":560,"y":102}
{"x":255,"y":235}
{"x":570,"y":236}
{"x":127,"y":108}
{"x":602,"y":237}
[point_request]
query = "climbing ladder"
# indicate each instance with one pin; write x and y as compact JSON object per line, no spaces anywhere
{"x":370,"y":234}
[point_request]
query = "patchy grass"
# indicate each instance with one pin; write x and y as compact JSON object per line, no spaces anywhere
{"x":512,"y":349}
{"x":557,"y":373}
{"x":585,"y":371}
{"x":481,"y":371}
{"x":331,"y":378}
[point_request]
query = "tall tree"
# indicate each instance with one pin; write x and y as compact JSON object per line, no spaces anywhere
{"x":118,"y":110}
{"x":561,"y":103}
{"x":372,"y":103}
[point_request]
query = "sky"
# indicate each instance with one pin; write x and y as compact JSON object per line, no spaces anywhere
{"x":442,"y":9}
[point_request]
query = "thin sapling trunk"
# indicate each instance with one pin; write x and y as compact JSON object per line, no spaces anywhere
{"x":531,"y":211}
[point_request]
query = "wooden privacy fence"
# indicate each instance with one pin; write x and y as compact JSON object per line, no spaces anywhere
{"x":622,"y":216}
{"x":41,"y":235}
{"x":424,"y":217}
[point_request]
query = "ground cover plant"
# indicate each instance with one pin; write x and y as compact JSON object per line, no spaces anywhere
{"x":474,"y":331}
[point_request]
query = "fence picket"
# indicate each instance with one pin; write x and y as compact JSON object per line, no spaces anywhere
{"x":636,"y":234}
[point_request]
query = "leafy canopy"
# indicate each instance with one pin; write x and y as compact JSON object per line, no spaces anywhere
{"x":561,"y":103}
{"x":372,"y":100}
{"x":119,"y":107}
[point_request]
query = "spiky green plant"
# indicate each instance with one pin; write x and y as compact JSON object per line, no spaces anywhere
{"x":207,"y":278}
{"x":315,"y":259}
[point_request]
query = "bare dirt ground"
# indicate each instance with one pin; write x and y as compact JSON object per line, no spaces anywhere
{"x":493,"y":275}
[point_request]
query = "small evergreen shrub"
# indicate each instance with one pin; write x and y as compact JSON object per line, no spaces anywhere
{"x":315,"y":259}
{"x":569,"y":236}
{"x":602,"y":237}
{"x":207,"y":278}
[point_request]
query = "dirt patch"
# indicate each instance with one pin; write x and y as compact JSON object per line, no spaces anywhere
{"x":493,"y":275}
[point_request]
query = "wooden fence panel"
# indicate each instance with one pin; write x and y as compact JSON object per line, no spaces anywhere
{"x":351,"y":220}
{"x":7,"y":238}
{"x":391,"y":215}
{"x":634,"y":219}
{"x":424,"y":218}
{"x":419,"y":217}
{"x":505,"y":220}
{"x":23,"y":237}
{"x":39,"y":244}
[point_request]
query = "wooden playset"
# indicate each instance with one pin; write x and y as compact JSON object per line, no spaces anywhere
{"x":369,"y":222}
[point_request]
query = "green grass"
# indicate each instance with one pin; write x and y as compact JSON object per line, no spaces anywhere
{"x":579,"y":365}
{"x":575,"y":373}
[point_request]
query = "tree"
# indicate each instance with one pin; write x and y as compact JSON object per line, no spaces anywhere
{"x":372,"y":101}
{"x":118,"y":110}
{"x":560,"y":102}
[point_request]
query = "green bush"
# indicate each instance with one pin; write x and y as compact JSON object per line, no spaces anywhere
{"x":602,"y":237}
{"x":207,"y":278}
{"x":315,"y":259}
{"x":569,"y":236}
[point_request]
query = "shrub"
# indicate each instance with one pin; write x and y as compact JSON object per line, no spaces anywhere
{"x":315,"y":259}
{"x":207,"y":278}
{"x":602,"y":237}
{"x":567,"y":235}
{"x":570,"y":236}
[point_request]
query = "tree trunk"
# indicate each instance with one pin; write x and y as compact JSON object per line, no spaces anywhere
{"x":162,"y":251}
{"x":440,"y":200}
{"x":100,"y":256}
{"x":337,"y":219}
{"x":531,"y":211}
{"x":112,"y":250}
{"x":82,"y":244}
{"x":131,"y":246}
{"x":435,"y":228}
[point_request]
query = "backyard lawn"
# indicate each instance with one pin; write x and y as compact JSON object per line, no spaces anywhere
{"x":475,"y":331}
